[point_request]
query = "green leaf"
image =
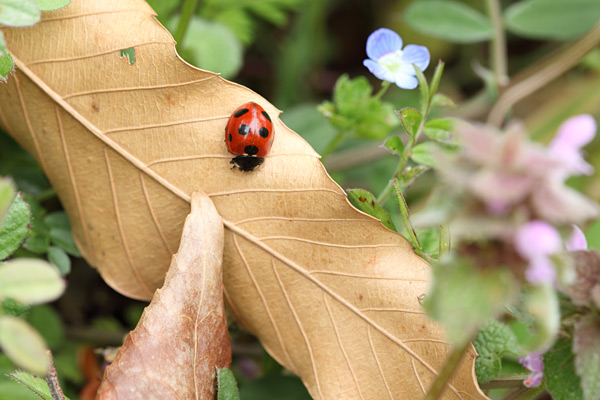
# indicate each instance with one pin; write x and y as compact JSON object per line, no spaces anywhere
{"x":405,"y":213}
{"x":445,"y":240}
{"x":441,"y":100}
{"x":367,"y":202}
{"x":463,"y":298}
{"x":49,"y":5}
{"x":411,"y":119}
{"x":437,"y":77}
{"x":35,"y":384}
{"x":410,"y":175}
{"x":541,"y":303}
{"x":6,"y":60}
{"x":552,"y":19}
{"x":449,"y":20}
{"x":219,"y":50}
{"x":8,"y":192}
{"x":18,"y":13}
{"x":423,"y":89}
{"x":14,"y":227}
{"x":315,"y":127}
{"x":163,"y":8}
{"x":47,"y":321}
{"x":130,"y":54}
{"x":559,"y":371}
{"x":439,"y":129}
{"x":278,"y":387}
{"x":226,"y":385}
{"x":493,"y":341}
{"x":586,"y":346}
{"x":59,"y":258}
{"x":30,"y":281}
{"x":11,"y":307}
{"x":394,"y":144}
{"x":423,"y":153}
{"x":23,"y":345}
{"x":60,"y":232}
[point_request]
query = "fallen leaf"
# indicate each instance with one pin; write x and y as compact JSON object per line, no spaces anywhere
{"x":182,"y":337}
{"x":330,"y":292}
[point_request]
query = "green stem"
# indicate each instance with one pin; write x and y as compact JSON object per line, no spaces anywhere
{"x":333,"y":144}
{"x":47,"y":194}
{"x":447,"y":372}
{"x":384,"y":87}
{"x":189,"y":7}
{"x":498,"y":54}
{"x":406,"y":219}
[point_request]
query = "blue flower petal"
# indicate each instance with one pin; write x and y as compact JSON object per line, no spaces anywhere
{"x":381,"y":42}
{"x":406,"y":81}
{"x":418,"y":55}
{"x":379,"y":71}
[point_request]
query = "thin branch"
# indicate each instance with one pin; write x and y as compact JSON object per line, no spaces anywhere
{"x":447,"y":371}
{"x":499,"y":62}
{"x":52,"y":380}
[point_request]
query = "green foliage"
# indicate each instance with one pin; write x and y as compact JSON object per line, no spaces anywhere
{"x":586,"y":347}
{"x":226,"y":385}
{"x":30,"y":281}
{"x":448,"y":20}
{"x":35,"y":384}
{"x":49,"y":5}
{"x":315,"y":128}
{"x":464,"y":298}
{"x":493,"y":341}
{"x":6,"y":60}
{"x":394,"y":144}
{"x":367,"y":202}
{"x":559,"y":371}
{"x":441,"y":100}
{"x":60,"y":232}
{"x":130,"y":54}
{"x":439,"y":129}
{"x":424,"y":153}
{"x":18,"y":13}
{"x":592,"y":234}
{"x":8,"y":192}
{"x":14,"y":227}
{"x":552,"y":19}
{"x":23,"y":344}
{"x":354,"y":110}
{"x":411,"y":119}
{"x":21,"y":167}
{"x":11,"y":307}
{"x":47,"y":321}
{"x":59,"y":258}
{"x":218,"y":51}
{"x":275,"y":387}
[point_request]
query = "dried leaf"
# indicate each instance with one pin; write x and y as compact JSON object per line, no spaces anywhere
{"x":330,"y":292}
{"x":182,"y":337}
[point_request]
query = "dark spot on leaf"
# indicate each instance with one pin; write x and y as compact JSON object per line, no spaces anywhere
{"x":264,"y":132}
{"x":240,"y":112}
{"x":362,"y":199}
{"x":95,"y":107}
{"x":360,"y":296}
{"x":264,"y":113}
{"x":372,"y":203}
{"x":251,"y":150}
{"x":244,"y":129}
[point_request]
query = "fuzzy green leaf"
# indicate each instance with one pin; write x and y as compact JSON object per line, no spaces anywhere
{"x":8,"y":192}
{"x":441,"y":100}
{"x":59,"y":258}
{"x":559,"y":370}
{"x":6,"y":63}
{"x":11,"y":307}
{"x":586,"y":346}
{"x":23,"y":345}
{"x":33,"y":383}
{"x":49,"y":5}
{"x":437,"y":77}
{"x":227,"y":386}
{"x":14,"y":227}
{"x":439,"y":129}
{"x":493,"y":341}
{"x":552,"y":19}
{"x":30,"y":281}
{"x":449,"y":20}
{"x":424,"y":153}
{"x":394,"y":144}
{"x":367,"y":202}
{"x":18,"y":13}
{"x":60,"y":232}
{"x":411,"y":119}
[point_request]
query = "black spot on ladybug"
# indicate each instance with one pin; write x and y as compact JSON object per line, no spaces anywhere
{"x":230,"y":138}
{"x":264,"y":132}
{"x":251,"y":150}
{"x":244,"y":129}
{"x":264,"y":113}
{"x":241,"y":112}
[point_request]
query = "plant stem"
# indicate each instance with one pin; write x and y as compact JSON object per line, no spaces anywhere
{"x":47,"y":194}
{"x":542,"y":73}
{"x":52,"y":381}
{"x":447,"y":371}
{"x":189,"y":7}
{"x":333,"y":144}
{"x":384,"y":87}
{"x":498,"y":54}
{"x":406,"y":218}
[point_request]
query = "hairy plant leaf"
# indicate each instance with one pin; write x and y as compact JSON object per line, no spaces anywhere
{"x":14,"y":226}
{"x":30,"y":281}
{"x":182,"y":337}
{"x":330,"y":292}
{"x":37,"y":385}
{"x":367,"y":202}
{"x":18,"y":12}
{"x":227,"y":386}
{"x":23,"y":345}
{"x":562,"y":381}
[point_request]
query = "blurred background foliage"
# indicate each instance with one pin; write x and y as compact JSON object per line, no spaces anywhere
{"x":293,"y":52}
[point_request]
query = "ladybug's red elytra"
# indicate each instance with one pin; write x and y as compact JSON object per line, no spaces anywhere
{"x":249,"y":136}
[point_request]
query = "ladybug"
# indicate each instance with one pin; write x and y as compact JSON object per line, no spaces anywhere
{"x":249,"y":136}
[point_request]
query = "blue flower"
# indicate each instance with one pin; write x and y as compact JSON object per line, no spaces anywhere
{"x":387,"y":60}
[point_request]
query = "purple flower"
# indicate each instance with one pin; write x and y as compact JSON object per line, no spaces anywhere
{"x":534,"y":363}
{"x":577,"y":240}
{"x":572,"y":135}
{"x":388,"y":62}
{"x":536,"y":241}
